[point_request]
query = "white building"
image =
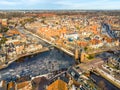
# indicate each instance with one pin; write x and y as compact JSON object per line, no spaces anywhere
{"x":73,"y":36}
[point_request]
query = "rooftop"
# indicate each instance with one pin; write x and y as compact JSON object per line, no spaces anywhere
{"x":58,"y":85}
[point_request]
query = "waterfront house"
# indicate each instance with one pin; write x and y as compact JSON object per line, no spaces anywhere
{"x":3,"y":85}
{"x":19,"y":47}
{"x":24,"y":85}
{"x":58,"y":85}
{"x":11,"y":53}
{"x":2,"y":57}
{"x":115,"y":60}
{"x":33,"y":47}
{"x":11,"y":86}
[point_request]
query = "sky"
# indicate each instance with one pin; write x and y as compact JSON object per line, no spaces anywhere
{"x":60,"y":4}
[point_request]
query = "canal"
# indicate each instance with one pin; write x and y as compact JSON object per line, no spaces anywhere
{"x":39,"y":64}
{"x":103,"y":83}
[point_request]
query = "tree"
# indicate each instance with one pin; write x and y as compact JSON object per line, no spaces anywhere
{"x":3,"y":40}
{"x":4,"y":29}
{"x":90,"y":57}
{"x":85,"y":48}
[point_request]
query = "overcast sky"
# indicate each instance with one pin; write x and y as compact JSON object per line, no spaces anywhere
{"x":59,"y":4}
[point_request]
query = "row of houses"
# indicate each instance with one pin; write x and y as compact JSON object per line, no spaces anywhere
{"x":115,"y":61}
{"x":15,"y":86}
{"x":16,"y":44}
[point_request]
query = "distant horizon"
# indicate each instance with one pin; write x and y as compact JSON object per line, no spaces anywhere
{"x":59,"y":5}
{"x":60,"y":9}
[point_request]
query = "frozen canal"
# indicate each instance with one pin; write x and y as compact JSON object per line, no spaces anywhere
{"x":37,"y":65}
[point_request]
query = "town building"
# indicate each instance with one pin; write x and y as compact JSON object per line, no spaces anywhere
{"x":58,"y":85}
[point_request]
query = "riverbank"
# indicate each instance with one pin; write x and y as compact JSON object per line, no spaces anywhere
{"x":23,"y":55}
